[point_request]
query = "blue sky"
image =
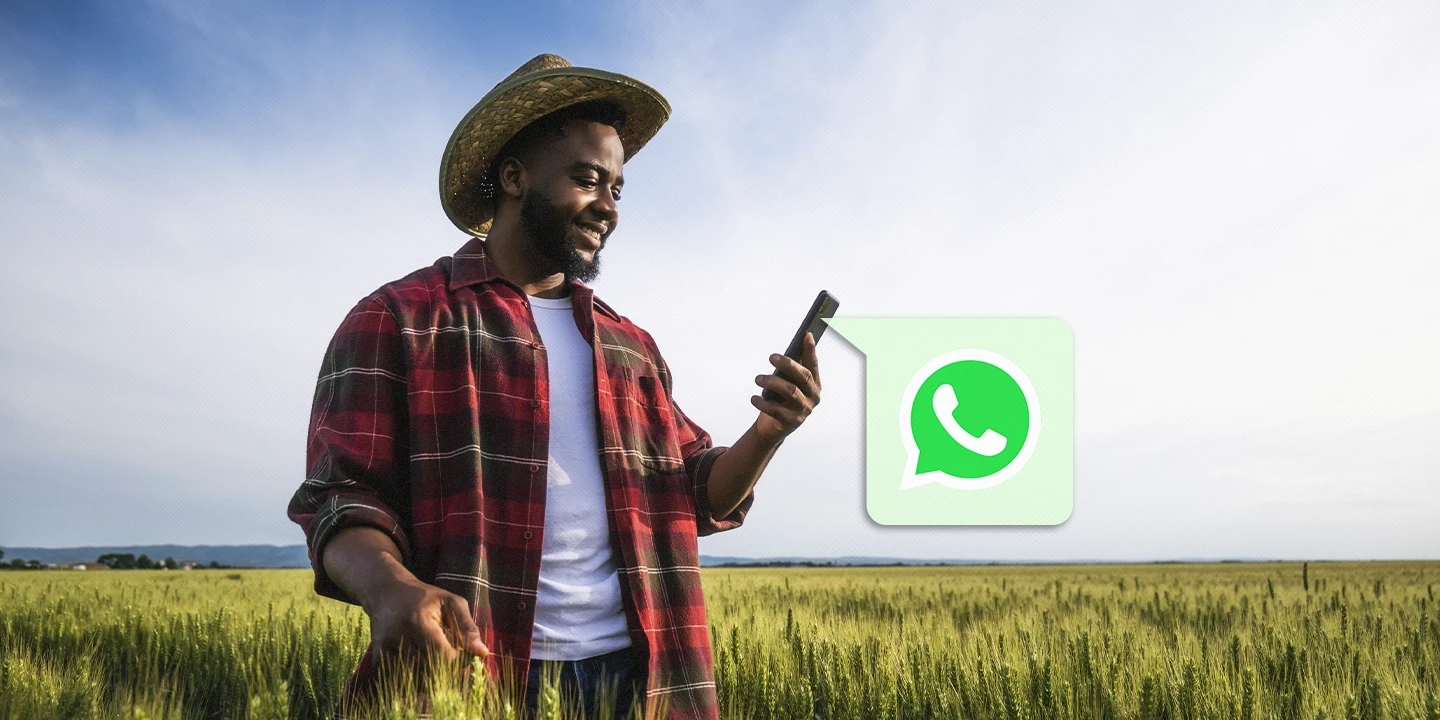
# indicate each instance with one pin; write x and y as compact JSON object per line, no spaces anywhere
{"x":1232,"y":206}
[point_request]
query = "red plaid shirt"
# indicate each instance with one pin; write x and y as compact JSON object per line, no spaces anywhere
{"x":431,"y":423}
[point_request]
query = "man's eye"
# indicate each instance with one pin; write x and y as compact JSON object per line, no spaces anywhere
{"x":587,"y":183}
{"x":616,"y":195}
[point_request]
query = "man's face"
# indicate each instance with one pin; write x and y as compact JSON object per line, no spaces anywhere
{"x":570,"y":207}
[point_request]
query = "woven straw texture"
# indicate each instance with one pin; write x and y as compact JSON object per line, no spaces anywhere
{"x":543,"y":85}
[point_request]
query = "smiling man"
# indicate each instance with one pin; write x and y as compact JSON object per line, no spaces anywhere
{"x":496,"y":465}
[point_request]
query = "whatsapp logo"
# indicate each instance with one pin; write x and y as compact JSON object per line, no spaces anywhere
{"x":970,"y":419}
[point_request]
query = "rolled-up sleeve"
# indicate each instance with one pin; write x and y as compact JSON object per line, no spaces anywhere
{"x":356,"y":457}
{"x":699,"y":454}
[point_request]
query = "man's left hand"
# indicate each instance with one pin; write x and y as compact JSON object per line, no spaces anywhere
{"x":798,"y":398}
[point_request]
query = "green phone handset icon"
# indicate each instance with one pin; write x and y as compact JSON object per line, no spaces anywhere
{"x":989,"y":444}
{"x":998,"y":400}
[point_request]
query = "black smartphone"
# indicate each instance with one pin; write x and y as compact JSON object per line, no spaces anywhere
{"x":823,"y":307}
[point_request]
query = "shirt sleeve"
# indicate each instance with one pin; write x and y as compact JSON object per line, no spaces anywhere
{"x":356,"y":458}
{"x":699,"y":454}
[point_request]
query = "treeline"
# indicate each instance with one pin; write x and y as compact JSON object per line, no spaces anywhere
{"x":127,"y":561}
{"x":114,"y":561}
{"x":781,"y":564}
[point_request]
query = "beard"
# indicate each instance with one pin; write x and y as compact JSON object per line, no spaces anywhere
{"x":549,"y":230}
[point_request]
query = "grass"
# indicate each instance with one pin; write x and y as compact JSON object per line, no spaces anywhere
{"x":1250,"y":641}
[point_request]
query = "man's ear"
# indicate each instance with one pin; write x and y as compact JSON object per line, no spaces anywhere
{"x":511,"y":178}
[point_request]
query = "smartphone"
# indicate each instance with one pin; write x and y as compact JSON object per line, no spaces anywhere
{"x":823,"y":307}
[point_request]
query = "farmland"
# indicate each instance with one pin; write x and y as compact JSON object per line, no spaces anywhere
{"x":1265,"y":640}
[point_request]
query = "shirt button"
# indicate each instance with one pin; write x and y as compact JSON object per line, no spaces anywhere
{"x":534,"y":344}
{"x":529,"y":535}
{"x":520,"y":605}
{"x":534,"y":403}
{"x":534,"y":468}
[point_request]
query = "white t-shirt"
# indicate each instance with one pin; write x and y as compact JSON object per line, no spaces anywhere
{"x":578,"y":613}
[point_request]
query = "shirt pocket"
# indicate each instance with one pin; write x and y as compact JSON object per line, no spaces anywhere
{"x":650,"y":424}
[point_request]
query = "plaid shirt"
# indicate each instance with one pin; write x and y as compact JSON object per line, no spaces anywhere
{"x":431,"y":423}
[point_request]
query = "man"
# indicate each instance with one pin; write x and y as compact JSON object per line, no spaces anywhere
{"x":496,"y":464}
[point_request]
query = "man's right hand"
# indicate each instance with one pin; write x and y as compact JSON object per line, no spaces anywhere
{"x":411,"y":617}
{"x":406,"y":615}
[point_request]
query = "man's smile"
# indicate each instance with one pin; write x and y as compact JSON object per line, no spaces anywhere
{"x":592,"y":232}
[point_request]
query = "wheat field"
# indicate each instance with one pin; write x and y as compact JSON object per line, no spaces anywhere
{"x":1232,"y":640}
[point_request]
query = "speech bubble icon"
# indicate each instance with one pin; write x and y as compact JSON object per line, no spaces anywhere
{"x":969,"y":395}
{"x":969,"y":419}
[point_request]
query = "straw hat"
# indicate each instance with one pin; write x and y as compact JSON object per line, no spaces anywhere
{"x":545,"y":84}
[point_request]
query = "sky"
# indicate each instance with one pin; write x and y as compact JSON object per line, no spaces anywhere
{"x":1231,"y":204}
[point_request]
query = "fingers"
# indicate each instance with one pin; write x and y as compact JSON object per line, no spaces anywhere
{"x":787,"y":391}
{"x":467,"y":633}
{"x":801,"y":375}
{"x":812,"y":359}
{"x":436,"y":629}
{"x":782,"y":414}
{"x":793,"y":391}
{"x":423,"y":637}
{"x":435,"y":641}
{"x":438,"y":625}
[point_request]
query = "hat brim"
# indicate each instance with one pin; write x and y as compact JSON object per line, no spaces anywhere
{"x":512,"y":105}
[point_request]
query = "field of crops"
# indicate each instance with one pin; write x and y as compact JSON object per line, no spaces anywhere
{"x":1345,"y":640}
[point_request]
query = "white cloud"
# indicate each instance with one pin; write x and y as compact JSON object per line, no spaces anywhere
{"x":1230,"y":210}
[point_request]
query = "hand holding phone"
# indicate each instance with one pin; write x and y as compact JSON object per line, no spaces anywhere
{"x":824,"y":307}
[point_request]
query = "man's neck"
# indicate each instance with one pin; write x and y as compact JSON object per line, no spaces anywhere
{"x":510,"y":249}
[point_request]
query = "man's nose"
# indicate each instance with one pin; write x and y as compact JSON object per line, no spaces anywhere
{"x":606,"y":207}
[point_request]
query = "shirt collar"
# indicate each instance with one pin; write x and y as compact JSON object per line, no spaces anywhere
{"x":471,"y":265}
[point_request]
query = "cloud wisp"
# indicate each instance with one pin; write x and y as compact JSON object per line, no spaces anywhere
{"x":1231,"y":208}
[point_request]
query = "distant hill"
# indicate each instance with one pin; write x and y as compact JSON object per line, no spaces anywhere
{"x":256,"y":556}
{"x":847,"y":560}
{"x":295,"y":556}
